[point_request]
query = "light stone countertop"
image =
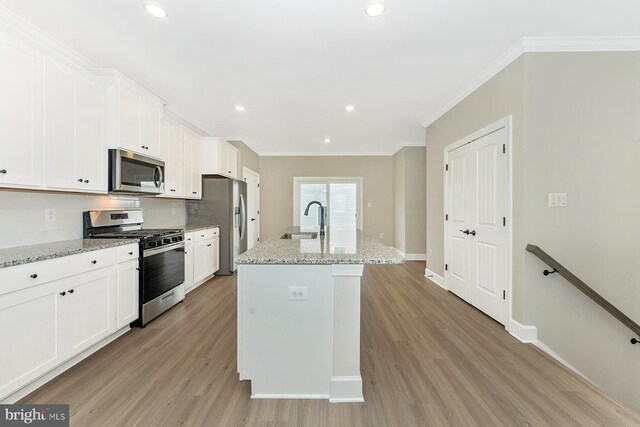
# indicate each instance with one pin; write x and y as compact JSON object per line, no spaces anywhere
{"x":339,"y":246}
{"x":19,"y":255}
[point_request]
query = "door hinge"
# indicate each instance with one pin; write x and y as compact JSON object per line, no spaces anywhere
{"x":504,"y":148}
{"x":446,"y":167}
{"x":258,"y":212}
{"x":446,"y":266}
{"x":258,"y":239}
{"x":446,"y":217}
{"x":258,"y":185}
{"x":504,"y":294}
{"x":504,"y":221}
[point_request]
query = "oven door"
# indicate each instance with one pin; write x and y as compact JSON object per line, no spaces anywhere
{"x":133,"y":174}
{"x":162,"y":270}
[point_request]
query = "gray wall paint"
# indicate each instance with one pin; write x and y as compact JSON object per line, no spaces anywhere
{"x":246,"y":158}
{"x":276,"y":183}
{"x":409,"y":177}
{"x":399,"y":199}
{"x":576,"y":130}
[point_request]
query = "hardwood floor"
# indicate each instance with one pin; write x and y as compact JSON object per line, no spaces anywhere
{"x":428,"y":359}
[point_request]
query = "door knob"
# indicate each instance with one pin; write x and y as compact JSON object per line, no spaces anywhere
{"x":473,"y":232}
{"x":86,"y":181}
{"x":70,"y":291}
{"x":465,"y":232}
{"x":3,"y":171}
{"x":253,"y":219}
{"x":80,"y":179}
{"x":63,"y":293}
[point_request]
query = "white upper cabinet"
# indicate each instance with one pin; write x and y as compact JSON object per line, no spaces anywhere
{"x":135,"y":115}
{"x":193,"y":166}
{"x":21,"y":132}
{"x":181,"y":153}
{"x":219,"y":158}
{"x":74,"y":124}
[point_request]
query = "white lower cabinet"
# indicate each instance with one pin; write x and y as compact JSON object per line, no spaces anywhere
{"x":87,"y":307}
{"x":202,"y":256}
{"x":44,"y":323}
{"x":127,"y":293}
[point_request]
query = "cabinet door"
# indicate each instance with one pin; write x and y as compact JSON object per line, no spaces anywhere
{"x":60,"y":122}
{"x":232,"y":161}
{"x":216,"y":255}
{"x":150,"y":125}
{"x":223,"y":158}
{"x":90,"y":135}
{"x":21,"y":109}
{"x":29,"y":331}
{"x":203,"y":260}
{"x":88,"y":309}
{"x":188,"y":266}
{"x":174,"y":162}
{"x":129,"y":118}
{"x":193,"y":167}
{"x":127,"y":293}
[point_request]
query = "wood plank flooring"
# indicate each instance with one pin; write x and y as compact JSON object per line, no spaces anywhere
{"x":428,"y":359}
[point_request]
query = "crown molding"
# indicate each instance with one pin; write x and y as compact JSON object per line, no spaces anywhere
{"x":178,"y":119}
{"x":327,"y":154}
{"x":26,"y":31}
{"x":539,"y":45}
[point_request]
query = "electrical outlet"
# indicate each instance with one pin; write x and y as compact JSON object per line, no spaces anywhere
{"x":429,"y":252}
{"x":557,"y":200}
{"x":298,"y":293}
{"x":382,"y":235}
{"x":174,"y":211}
{"x":49,"y":215}
{"x":370,"y":204}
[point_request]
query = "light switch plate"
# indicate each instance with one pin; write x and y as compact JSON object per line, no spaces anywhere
{"x":557,"y":200}
{"x":49,"y":215}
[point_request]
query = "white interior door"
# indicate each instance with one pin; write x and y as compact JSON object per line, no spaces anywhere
{"x":477,"y":243}
{"x":253,"y":206}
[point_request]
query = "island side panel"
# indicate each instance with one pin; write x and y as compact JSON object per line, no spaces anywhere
{"x":284,"y":345}
{"x":346,"y":381}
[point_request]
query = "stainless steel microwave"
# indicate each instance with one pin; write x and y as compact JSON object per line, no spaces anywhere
{"x":131,"y":173}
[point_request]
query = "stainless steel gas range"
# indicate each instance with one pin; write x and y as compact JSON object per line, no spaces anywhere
{"x":161,"y":257}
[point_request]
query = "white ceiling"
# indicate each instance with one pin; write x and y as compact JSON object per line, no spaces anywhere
{"x":295,"y":64}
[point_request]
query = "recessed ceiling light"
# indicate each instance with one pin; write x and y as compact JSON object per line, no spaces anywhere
{"x":349,"y":108}
{"x":239,"y":108}
{"x":375,"y":9}
{"x":327,"y":141}
{"x":155,"y":10}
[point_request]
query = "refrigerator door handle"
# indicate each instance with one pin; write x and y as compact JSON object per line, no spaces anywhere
{"x":243,"y":216}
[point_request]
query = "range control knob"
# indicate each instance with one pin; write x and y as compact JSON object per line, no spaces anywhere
{"x":166,"y":240}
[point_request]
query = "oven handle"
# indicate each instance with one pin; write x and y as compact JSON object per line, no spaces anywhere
{"x":150,"y":252}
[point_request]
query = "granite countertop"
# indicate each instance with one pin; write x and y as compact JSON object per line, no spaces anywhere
{"x":18,"y":255}
{"x":339,"y":246}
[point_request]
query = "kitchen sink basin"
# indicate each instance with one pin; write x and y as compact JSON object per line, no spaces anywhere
{"x":300,"y":235}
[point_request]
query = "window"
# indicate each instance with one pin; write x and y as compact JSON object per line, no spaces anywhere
{"x":341,"y":196}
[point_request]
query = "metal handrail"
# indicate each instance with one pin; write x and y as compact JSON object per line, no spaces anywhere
{"x":585,"y":289}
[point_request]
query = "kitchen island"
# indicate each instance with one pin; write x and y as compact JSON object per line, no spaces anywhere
{"x":299,"y":313}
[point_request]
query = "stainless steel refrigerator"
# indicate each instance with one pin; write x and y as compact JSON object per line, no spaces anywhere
{"x":223,"y":203}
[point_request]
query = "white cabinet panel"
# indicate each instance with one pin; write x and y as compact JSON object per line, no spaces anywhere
{"x":203,"y":260}
{"x":74,"y":124}
{"x":174,"y":162}
{"x":127,"y":293}
{"x":193,"y":167}
{"x":29,"y":329}
{"x":129,"y":118}
{"x":216,"y":255}
{"x":21,"y":132}
{"x":150,"y":124}
{"x":88,"y":309}
{"x":219,"y":158}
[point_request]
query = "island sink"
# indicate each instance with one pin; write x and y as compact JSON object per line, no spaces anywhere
{"x":300,"y":235}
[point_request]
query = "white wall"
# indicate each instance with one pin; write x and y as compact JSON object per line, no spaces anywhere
{"x":22,"y":214}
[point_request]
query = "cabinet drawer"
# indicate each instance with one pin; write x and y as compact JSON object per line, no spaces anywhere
{"x":37,"y":273}
{"x":205,"y":234}
{"x":127,"y":253}
{"x":189,"y":238}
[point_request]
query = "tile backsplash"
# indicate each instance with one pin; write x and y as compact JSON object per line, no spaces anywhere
{"x":29,"y":217}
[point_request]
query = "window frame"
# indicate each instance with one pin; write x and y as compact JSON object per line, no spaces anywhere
{"x":298,"y":180}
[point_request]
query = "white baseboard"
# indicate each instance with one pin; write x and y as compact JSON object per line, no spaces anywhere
{"x":559,"y":358}
{"x":524,"y":333}
{"x":435,"y":278}
{"x":346,"y":389}
{"x":40,"y":381}
{"x":289,"y":396}
{"x":412,"y":257}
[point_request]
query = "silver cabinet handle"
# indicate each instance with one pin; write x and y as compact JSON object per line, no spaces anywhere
{"x":3,"y":171}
